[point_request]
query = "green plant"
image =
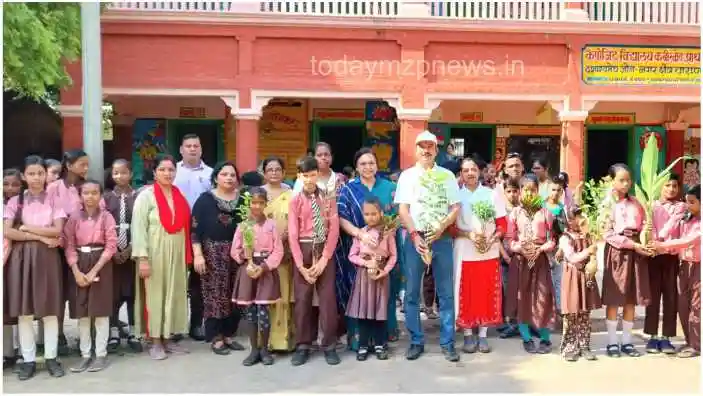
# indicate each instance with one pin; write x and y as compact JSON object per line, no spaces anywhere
{"x":531,"y":203}
{"x":596,"y":207}
{"x":651,"y":183}
{"x":434,"y":204}
{"x":244,"y":211}
{"x":390,"y":223}
{"x":484,"y":212}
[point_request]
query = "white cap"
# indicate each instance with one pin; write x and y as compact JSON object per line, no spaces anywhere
{"x":426,"y":136}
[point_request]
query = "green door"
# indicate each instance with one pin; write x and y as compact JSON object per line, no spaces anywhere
{"x":210,"y":132}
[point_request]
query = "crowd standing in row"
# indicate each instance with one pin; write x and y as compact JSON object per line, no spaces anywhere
{"x":323,"y":256}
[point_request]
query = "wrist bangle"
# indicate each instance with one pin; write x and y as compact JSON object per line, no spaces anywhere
{"x":413,"y":234}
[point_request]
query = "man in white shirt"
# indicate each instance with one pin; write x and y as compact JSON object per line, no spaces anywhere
{"x":193,"y":177}
{"x":413,"y":199}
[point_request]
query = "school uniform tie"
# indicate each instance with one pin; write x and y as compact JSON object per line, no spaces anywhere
{"x":122,"y":241}
{"x":317,"y":221}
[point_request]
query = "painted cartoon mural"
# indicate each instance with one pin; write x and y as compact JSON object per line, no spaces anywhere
{"x":382,"y":135}
{"x":691,"y":167}
{"x":149,"y":139}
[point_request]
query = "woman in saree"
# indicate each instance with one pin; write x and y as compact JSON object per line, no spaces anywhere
{"x":351,"y":219}
{"x":281,"y":313}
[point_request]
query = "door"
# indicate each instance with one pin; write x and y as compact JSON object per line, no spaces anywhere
{"x":474,"y":140}
{"x":604,"y":148}
{"x":345,"y":141}
{"x":207,"y":131}
{"x":536,"y":146}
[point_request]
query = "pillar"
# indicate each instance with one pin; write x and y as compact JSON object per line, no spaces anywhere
{"x":247,"y":140}
{"x":92,"y":89}
{"x":675,"y":141}
{"x":573,"y":144}
{"x":412,"y":123}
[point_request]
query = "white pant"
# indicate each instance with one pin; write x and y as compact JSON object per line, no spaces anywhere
{"x":28,"y":344}
{"x":102,"y":332}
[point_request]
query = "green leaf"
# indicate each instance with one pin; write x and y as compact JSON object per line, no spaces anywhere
{"x":649,"y":164}
{"x":641,"y":196}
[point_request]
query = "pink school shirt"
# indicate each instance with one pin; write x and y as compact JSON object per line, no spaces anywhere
{"x":300,"y":224}
{"x":689,"y":244}
{"x":541,"y":224}
{"x":81,"y":230}
{"x":64,"y":195}
{"x":38,"y":211}
{"x":266,"y":240}
{"x":386,"y":248}
{"x":627,"y":214}
{"x":666,"y":216}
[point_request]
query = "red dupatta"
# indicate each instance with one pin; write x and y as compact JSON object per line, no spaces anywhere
{"x":180,"y":220}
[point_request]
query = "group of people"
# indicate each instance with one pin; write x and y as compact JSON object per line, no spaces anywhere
{"x":329,"y":257}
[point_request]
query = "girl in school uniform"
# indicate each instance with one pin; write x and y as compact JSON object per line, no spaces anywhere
{"x":33,"y":223}
{"x":64,"y":191}
{"x":625,"y":272}
{"x":257,"y":285}
{"x":120,"y":203}
{"x":11,"y":186}
{"x":368,"y":302}
{"x":53,"y":170}
{"x":90,"y":243}
{"x":531,"y":233}
{"x":554,"y":204}
{"x":511,"y":190}
{"x":579,"y":296}
{"x":688,"y":245}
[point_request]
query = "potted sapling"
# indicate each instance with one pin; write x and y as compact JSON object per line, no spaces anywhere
{"x":597,"y":206}
{"x":531,"y":204}
{"x":485,"y":212}
{"x":434,"y":204}
{"x":247,"y":225}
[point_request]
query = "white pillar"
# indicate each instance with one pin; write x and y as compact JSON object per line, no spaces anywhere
{"x":92,"y":88}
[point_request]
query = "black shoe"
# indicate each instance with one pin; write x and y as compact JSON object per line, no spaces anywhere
{"x":414,"y":352}
{"x":197,"y":333}
{"x":26,"y":371}
{"x":54,"y":368}
{"x":362,"y":354}
{"x":613,"y":350}
{"x":235,"y":346}
{"x":629,"y":350}
{"x":9,"y":362}
{"x":176,"y":337}
{"x":450,"y":354}
{"x":652,"y":346}
{"x":266,"y":357}
{"x":332,"y":358}
{"x":113,"y":345}
{"x":529,"y":346}
{"x":381,"y":352}
{"x":545,"y":347}
{"x":300,"y":357}
{"x":221,"y":350}
{"x":510,"y":332}
{"x":253,"y":358}
{"x":134,"y":344}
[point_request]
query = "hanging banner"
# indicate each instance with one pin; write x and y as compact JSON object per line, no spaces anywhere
{"x":642,"y":134}
{"x":148,"y":140}
{"x":339,"y":114}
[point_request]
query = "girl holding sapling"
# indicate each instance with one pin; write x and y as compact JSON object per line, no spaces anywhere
{"x":258,"y":247}
{"x":532,"y":235}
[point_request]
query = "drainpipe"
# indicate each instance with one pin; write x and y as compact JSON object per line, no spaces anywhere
{"x":92,"y":88}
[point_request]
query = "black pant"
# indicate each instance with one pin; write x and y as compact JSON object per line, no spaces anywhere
{"x":372,"y":331}
{"x":115,"y":318}
{"x":196,"y":300}
{"x":227,"y":327}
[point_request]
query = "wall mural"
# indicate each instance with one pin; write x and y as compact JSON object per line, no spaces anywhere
{"x":691,"y":168}
{"x":148,"y":140}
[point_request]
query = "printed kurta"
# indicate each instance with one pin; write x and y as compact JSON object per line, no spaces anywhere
{"x":162,"y":296}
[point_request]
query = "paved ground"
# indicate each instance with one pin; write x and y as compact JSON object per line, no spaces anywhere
{"x":507,"y":369}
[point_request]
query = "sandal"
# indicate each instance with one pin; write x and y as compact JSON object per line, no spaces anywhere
{"x":613,"y":350}
{"x":687,"y":352}
{"x":362,"y":354}
{"x":222,"y":350}
{"x":629,"y":350}
{"x":381,"y":352}
{"x":113,"y":344}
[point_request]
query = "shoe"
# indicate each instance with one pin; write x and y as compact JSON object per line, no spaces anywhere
{"x":332,"y":358}
{"x":510,"y":332}
{"x":470,"y":344}
{"x":157,"y":352}
{"x":362,"y":354}
{"x":300,"y":357}
{"x":588,"y":355}
{"x":613,"y":350}
{"x":529,"y":346}
{"x":9,"y":362}
{"x":234,"y":345}
{"x":197,"y":333}
{"x":431,"y":314}
{"x":450,"y":354}
{"x":687,"y":352}
{"x":54,"y":368}
{"x":99,"y":364}
{"x":176,"y":337}
{"x":253,"y":358}
{"x":26,"y":371}
{"x":545,"y":347}
{"x":629,"y":350}
{"x":266,"y":357}
{"x":113,"y":344}
{"x":652,"y":345}
{"x":175,"y":348}
{"x":82,"y":366}
{"x":381,"y":352}
{"x":414,"y":352}
{"x":134,"y":344}
{"x":666,"y":347}
{"x":483,"y":346}
{"x":221,"y":350}
{"x":571,"y":357}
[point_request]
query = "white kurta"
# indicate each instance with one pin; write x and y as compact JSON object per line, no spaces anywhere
{"x":464,"y":249}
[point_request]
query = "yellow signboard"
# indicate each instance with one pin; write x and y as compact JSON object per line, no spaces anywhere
{"x":283,"y":132}
{"x":630,"y":65}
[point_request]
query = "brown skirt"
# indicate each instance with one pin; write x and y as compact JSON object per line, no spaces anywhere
{"x":535,"y":294}
{"x":263,"y":291}
{"x":625,"y":278}
{"x":97,"y":299}
{"x":35,"y":280}
{"x":512,"y":288}
{"x":124,"y":276}
{"x":369,"y":298}
{"x":577,"y":294}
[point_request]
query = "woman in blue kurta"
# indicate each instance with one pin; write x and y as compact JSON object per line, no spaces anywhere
{"x":349,"y":204}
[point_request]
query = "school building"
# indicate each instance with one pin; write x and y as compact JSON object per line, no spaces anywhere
{"x":583,"y":83}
